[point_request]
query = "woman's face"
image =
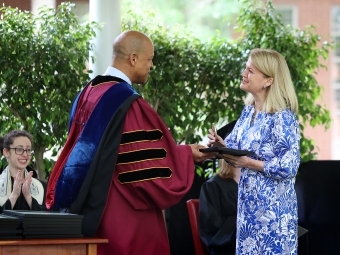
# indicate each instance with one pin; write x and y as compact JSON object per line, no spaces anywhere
{"x":253,"y":81}
{"x":16,"y":161}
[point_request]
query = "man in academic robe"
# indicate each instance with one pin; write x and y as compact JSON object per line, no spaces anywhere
{"x":120,"y":166}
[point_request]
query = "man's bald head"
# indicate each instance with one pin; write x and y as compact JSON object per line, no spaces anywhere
{"x":129,"y":42}
{"x":133,"y":52}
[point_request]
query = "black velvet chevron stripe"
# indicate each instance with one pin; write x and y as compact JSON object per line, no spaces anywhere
{"x":141,"y":136}
{"x":141,"y":155}
{"x":144,"y":174}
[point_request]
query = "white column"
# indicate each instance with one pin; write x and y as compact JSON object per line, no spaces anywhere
{"x":108,"y":13}
{"x":35,"y":4}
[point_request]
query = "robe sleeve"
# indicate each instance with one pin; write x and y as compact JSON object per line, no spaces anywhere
{"x":284,"y":150}
{"x":151,"y":171}
{"x":217,"y":217}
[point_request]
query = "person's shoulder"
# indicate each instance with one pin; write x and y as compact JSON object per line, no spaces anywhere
{"x":41,"y":181}
{"x":214,"y":178}
{"x":286,"y":111}
{"x":244,"y":114}
{"x":286,"y":115}
{"x":227,"y":186}
{"x":247,"y":108}
{"x":219,"y":181}
{"x":100,"y":79}
{"x":212,"y":181}
{"x":228,"y":182}
{"x":145,"y":106}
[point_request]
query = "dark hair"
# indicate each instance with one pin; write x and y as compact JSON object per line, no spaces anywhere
{"x":8,"y":139}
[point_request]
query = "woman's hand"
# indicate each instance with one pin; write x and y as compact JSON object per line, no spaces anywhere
{"x":17,"y":185}
{"x":214,"y":138}
{"x":26,"y":188}
{"x":243,"y":161}
{"x":236,"y":161}
{"x":26,"y":185}
{"x":18,"y":181}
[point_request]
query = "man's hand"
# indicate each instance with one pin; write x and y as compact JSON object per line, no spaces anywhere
{"x":201,"y":156}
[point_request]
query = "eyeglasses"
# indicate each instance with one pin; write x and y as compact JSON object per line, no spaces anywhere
{"x":20,"y":151}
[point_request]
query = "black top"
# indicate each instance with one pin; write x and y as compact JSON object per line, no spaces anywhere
{"x":217,"y":215}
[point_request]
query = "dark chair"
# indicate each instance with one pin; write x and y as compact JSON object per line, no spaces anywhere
{"x":192,"y":206}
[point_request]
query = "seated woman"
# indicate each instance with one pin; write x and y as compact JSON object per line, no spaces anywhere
{"x":218,"y":210}
{"x":18,"y":189}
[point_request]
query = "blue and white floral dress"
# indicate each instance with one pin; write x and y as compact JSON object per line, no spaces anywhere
{"x":267,"y":204}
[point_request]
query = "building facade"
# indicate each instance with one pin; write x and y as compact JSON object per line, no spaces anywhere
{"x":325,"y":17}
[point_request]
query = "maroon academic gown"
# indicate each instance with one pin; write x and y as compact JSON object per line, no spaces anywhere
{"x":152,"y":173}
{"x":133,"y":220}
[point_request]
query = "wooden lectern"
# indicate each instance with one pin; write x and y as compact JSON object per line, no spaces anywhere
{"x":74,"y":246}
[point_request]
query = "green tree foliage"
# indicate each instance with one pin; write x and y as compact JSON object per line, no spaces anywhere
{"x":187,"y":86}
{"x":42,"y":62}
{"x":203,"y":17}
{"x":196,"y":83}
{"x":304,"y":52}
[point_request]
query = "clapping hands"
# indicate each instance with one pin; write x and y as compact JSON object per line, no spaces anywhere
{"x":26,"y":185}
{"x":21,"y":183}
{"x":18,"y":182}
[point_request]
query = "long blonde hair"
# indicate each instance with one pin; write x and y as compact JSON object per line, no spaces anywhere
{"x":281,"y":94}
{"x":226,"y":171}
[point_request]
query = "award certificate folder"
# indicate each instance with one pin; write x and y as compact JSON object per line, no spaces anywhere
{"x":41,"y":214}
{"x":229,"y":151}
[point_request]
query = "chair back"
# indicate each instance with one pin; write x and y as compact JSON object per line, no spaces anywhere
{"x":193,"y":205}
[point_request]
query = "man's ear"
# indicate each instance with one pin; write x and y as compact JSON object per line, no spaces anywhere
{"x":133,"y":59}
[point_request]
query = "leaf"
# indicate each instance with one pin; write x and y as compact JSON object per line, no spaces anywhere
{"x":43,"y":70}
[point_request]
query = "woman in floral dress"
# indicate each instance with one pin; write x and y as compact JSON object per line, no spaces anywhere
{"x":268,"y":126}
